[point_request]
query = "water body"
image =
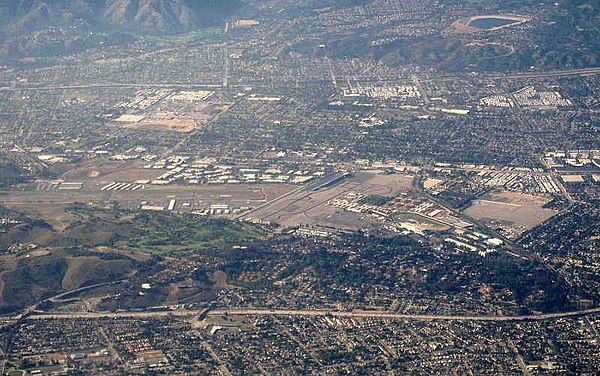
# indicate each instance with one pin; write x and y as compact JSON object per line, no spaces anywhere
{"x":491,"y":23}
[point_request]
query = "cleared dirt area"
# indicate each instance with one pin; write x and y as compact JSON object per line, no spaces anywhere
{"x":513,"y":212}
{"x":103,"y":170}
{"x":430,"y":183}
{"x":159,"y":124}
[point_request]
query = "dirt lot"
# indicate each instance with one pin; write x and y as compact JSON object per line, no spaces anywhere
{"x":100,"y":171}
{"x":180,"y":125}
{"x":513,"y":212}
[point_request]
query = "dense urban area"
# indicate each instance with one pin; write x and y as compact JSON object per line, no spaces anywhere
{"x":300,"y":187}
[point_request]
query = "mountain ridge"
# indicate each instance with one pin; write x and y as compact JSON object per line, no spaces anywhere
{"x":156,"y":16}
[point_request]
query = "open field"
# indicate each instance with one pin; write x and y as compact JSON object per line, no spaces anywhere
{"x":513,"y":212}
{"x":159,"y":124}
{"x":310,"y":207}
{"x":95,"y":173}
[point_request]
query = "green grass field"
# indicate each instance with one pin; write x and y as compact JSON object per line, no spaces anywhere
{"x":147,"y":232}
{"x":178,"y":233}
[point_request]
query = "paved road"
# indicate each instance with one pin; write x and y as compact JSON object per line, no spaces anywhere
{"x":516,"y":75}
{"x":560,"y":73}
{"x":216,"y":358}
{"x":422,"y":91}
{"x":518,"y":357}
{"x":3,"y":360}
{"x":58,"y":297}
{"x":43,"y":87}
{"x":398,"y":316}
{"x":311,"y":313}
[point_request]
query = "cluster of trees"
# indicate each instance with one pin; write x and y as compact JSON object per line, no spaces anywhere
{"x":12,"y":173}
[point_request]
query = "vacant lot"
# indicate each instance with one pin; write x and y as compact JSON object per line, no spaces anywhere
{"x":99,"y":172}
{"x":159,"y":125}
{"x":513,"y":212}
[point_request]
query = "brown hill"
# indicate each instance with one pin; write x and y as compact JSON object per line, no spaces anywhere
{"x":147,"y":15}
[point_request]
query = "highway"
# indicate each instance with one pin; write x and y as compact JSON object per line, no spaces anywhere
{"x":309,"y":313}
{"x":43,"y":87}
{"x":559,"y":73}
{"x":108,"y":85}
{"x":57,"y":297}
{"x":398,"y":316}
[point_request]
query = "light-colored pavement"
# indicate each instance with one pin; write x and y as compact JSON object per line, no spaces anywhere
{"x":108,"y":85}
{"x":311,"y":313}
